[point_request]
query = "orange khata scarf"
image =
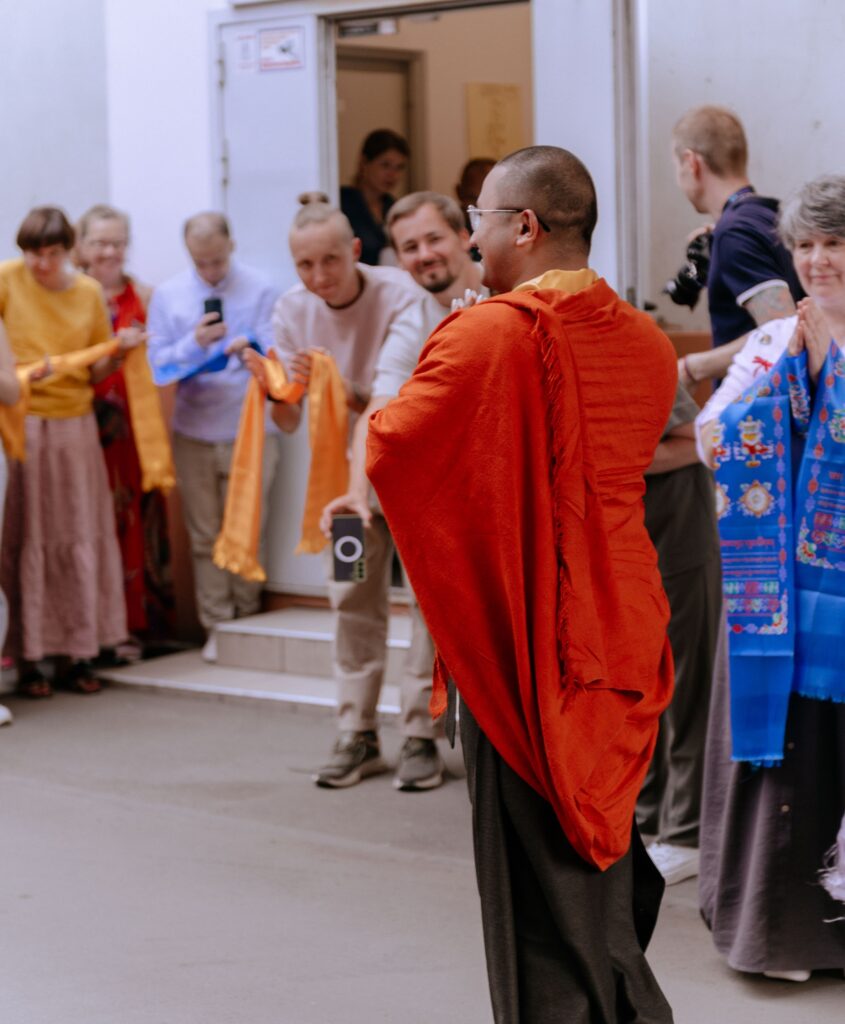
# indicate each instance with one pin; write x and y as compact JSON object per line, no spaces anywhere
{"x":148,"y":425}
{"x":487,"y":480}
{"x":237,"y":545}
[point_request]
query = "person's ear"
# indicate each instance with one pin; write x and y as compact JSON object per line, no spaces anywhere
{"x":694,"y":162}
{"x":356,"y":249}
{"x":527,"y":230}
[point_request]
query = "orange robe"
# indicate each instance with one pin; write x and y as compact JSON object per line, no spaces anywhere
{"x":510,"y":470}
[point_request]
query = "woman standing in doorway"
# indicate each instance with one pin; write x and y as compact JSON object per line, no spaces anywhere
{"x":384,"y":157}
{"x":102,"y":242}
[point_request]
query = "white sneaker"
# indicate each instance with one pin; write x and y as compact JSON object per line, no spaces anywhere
{"x":5,"y":715}
{"x":675,"y":863}
{"x":209,"y":652}
{"x":787,"y":975}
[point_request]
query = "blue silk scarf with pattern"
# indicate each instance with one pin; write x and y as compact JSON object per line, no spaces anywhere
{"x":780,"y":491}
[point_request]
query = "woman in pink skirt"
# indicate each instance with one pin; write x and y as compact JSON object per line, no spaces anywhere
{"x":61,"y":568}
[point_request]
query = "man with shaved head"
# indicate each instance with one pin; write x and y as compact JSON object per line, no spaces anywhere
{"x":182,"y":338}
{"x":510,"y":470}
{"x":354,"y":311}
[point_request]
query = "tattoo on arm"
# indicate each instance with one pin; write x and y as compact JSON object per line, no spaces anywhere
{"x":770,"y":304}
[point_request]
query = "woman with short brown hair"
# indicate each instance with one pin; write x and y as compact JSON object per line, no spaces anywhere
{"x":60,"y":559}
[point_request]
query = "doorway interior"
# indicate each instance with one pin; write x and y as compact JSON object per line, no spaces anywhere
{"x":457,"y":83}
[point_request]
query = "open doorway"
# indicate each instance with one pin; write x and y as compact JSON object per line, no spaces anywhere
{"x":456,"y":83}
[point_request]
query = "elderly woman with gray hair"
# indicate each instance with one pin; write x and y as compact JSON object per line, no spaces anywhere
{"x":772,"y":807}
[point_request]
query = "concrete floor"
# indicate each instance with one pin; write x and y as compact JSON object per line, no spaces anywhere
{"x":166,"y":860}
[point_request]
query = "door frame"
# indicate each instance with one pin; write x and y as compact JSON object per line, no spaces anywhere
{"x":414,"y":66}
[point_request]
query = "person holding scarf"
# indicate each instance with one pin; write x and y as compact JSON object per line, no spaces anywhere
{"x":61,"y":566}
{"x":195,"y":320}
{"x":101,"y":245}
{"x":774,"y":787}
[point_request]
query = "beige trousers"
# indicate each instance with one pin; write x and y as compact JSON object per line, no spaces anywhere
{"x":360,"y":645}
{"x":202,"y":469}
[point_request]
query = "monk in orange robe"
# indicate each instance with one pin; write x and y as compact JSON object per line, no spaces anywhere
{"x":510,"y":469}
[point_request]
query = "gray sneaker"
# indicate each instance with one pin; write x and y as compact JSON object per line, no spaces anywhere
{"x":420,"y":766}
{"x":355,"y":756}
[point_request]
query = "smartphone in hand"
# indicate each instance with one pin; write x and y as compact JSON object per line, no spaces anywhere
{"x":348,"y":549}
{"x":214,"y":305}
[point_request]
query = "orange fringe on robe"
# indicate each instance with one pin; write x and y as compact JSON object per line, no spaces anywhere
{"x":510,"y":470}
{"x":148,"y":425}
{"x":236,"y":548}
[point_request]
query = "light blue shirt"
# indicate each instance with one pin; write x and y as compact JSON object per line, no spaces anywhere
{"x":208,"y":406}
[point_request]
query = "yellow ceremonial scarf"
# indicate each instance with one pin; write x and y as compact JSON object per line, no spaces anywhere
{"x":569,"y":281}
{"x":237,"y":546}
{"x":148,"y":425}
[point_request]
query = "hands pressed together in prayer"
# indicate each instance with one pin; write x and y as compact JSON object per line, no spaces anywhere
{"x":469,"y":298}
{"x":812,"y":333}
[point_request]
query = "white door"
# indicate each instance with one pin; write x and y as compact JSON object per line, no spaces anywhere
{"x":270,"y":148}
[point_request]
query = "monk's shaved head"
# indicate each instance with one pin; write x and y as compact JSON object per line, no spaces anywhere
{"x":557,"y":187}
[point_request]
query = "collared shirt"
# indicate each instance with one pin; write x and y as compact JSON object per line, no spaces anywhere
{"x":746,"y":258}
{"x":400,"y":354}
{"x":208,"y":406}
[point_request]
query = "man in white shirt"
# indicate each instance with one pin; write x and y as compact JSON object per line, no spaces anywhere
{"x":432,"y":244}
{"x":182,"y":337}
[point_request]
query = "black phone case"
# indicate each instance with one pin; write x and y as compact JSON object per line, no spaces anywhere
{"x":348,"y":552}
{"x":214,"y":306}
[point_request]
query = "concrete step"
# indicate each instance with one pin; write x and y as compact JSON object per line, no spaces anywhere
{"x":187,"y":674}
{"x":299,"y":641}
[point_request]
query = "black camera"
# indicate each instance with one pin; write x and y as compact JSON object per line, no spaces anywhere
{"x":685,"y":287}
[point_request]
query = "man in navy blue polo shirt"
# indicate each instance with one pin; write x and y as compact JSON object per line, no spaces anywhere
{"x":751,"y":279}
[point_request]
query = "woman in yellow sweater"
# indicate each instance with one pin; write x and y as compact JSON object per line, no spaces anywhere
{"x":10,"y":392}
{"x":61,"y":568}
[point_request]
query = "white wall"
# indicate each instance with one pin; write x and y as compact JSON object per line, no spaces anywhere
{"x":159,"y":116}
{"x":777,"y":66}
{"x":53,"y":99}
{"x":574,"y":86}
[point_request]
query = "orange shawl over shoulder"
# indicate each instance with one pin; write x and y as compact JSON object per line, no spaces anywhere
{"x":510,"y":472}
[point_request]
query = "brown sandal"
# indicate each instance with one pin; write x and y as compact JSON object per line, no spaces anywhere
{"x":79,"y":678}
{"x":34,"y":685}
